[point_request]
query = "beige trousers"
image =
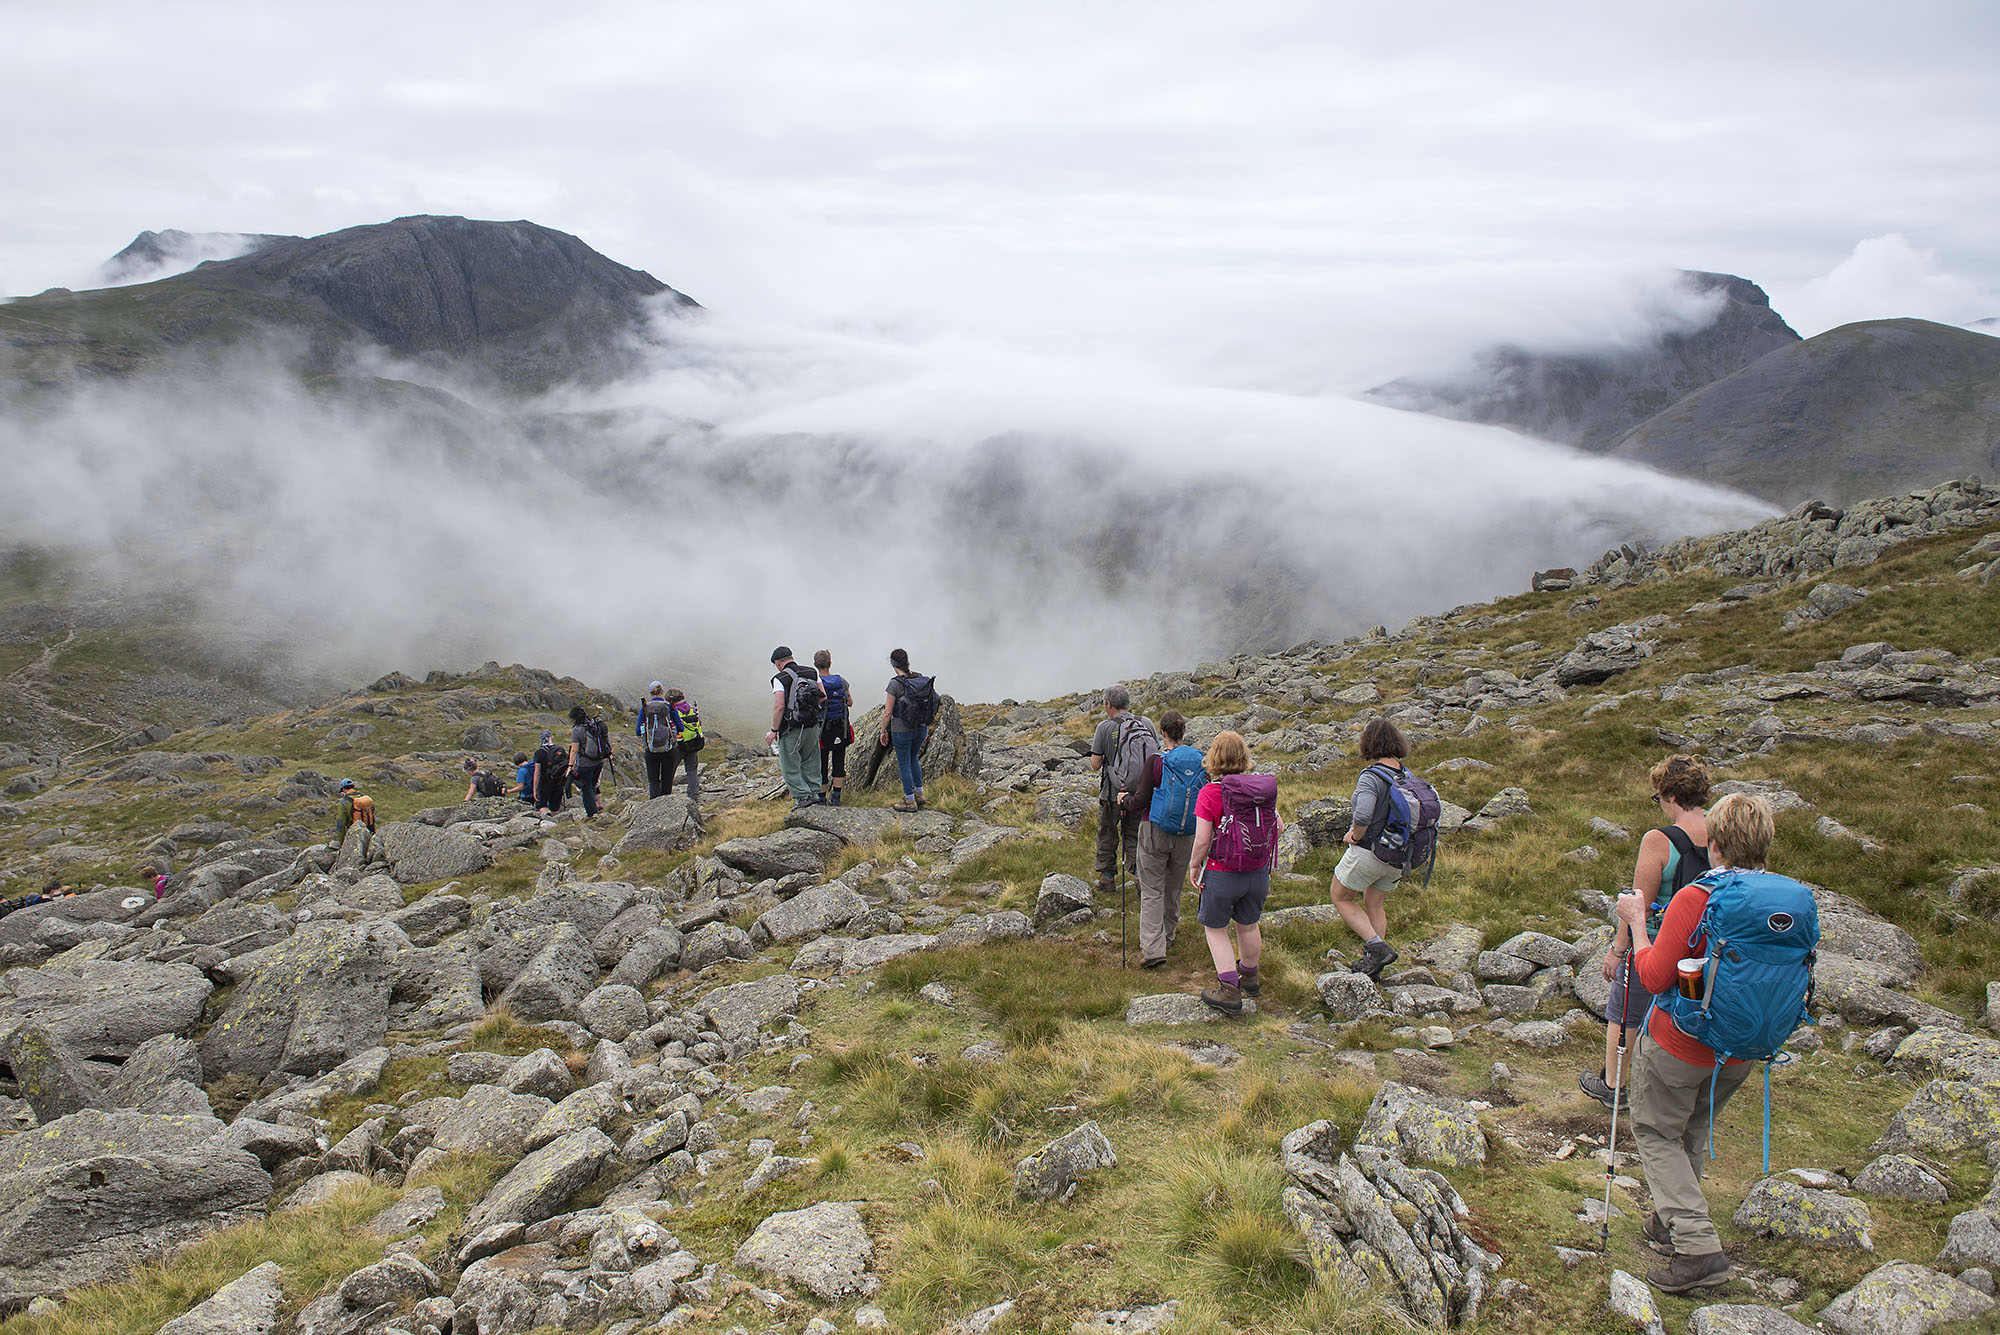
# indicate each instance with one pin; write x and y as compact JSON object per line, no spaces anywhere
{"x":1163,"y":867}
{"x":1671,"y":1114}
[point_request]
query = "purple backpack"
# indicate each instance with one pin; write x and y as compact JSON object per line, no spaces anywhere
{"x":1246,"y":838}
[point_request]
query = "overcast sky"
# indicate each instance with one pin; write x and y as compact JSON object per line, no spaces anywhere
{"x":1175,"y":182}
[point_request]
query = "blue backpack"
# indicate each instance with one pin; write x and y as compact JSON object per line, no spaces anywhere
{"x":1409,"y":823}
{"x":836,"y":698}
{"x":1181,"y":780}
{"x":1763,"y":939}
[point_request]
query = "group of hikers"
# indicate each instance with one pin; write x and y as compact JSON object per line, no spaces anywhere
{"x":812,"y":727}
{"x":1710,"y":966}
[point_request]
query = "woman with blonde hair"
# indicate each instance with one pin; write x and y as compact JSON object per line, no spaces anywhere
{"x":1236,"y":831}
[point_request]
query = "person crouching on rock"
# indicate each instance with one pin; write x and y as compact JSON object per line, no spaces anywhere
{"x":1236,"y":831}
{"x":1677,"y":1090}
{"x":1359,"y":871}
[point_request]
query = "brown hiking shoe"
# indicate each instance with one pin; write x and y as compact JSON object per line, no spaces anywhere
{"x":902,"y":806}
{"x":1224,"y":998}
{"x":1688,"y":1273}
{"x":1247,"y":982}
{"x":1656,"y":1234}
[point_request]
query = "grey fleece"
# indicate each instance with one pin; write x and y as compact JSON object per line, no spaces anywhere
{"x":1371,"y":801}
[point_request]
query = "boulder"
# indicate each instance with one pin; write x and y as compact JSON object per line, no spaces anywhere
{"x":786,"y":853}
{"x":1176,"y":1008}
{"x":540,"y":1072}
{"x":366,"y":1299}
{"x":490,"y":1120}
{"x":49,"y":1075}
{"x":811,"y":913}
{"x":421,"y":853}
{"x":1453,"y":951}
{"x":1939,"y":1050}
{"x":1064,"y":807}
{"x":1903,"y":1298}
{"x":246,"y":1305}
{"x":1600,"y":656}
{"x":105,"y":1008}
{"x":555,"y":980}
{"x":1973,"y":1240}
{"x":1899,"y":1177}
{"x":613,"y":1012}
{"x":1060,"y":895}
{"x":1538,"y":948}
{"x":1744,"y":1319}
{"x":1056,"y":1168}
{"x":1779,"y":1208}
{"x":436,"y":988}
{"x":663,"y":825}
{"x":313,"y":1002}
{"x":740,"y":1009}
{"x":89,"y":1197}
{"x":591,"y":1108}
{"x":433,"y":918}
{"x":649,"y":957}
{"x":1350,"y":996}
{"x":1630,"y":1298}
{"x":823,"y":1248}
{"x":587,"y":906}
{"x":1943,"y":1117}
{"x":985,"y":929}
{"x":1416,"y":1125}
{"x":714,"y":943}
{"x":164,"y":1076}
{"x":542,"y":1184}
{"x":410,"y":1213}
{"x":870,"y":825}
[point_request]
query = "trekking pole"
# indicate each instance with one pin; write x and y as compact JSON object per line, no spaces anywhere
{"x":1617,"y":1090}
{"x":1121,"y":908}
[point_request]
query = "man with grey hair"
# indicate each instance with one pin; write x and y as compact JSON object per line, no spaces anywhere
{"x":1120,"y":751}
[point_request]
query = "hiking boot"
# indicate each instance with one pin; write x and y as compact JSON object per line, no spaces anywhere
{"x":1656,"y":1235}
{"x":1593,"y":1084}
{"x":905,"y":805}
{"x":1105,"y":885}
{"x":1375,"y":957}
{"x":1153,"y":964}
{"x":836,"y":797}
{"x":1246,"y":981}
{"x":1223,"y":997}
{"x":1688,"y":1273}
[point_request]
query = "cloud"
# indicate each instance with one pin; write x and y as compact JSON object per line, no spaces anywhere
{"x":1886,"y":277}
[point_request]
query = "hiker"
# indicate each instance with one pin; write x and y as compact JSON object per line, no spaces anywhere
{"x":1680,"y":1083}
{"x":1670,"y":856}
{"x":482,"y":782}
{"x":354,"y":806}
{"x":659,"y":738}
{"x":551,"y":775}
{"x":797,"y":705}
{"x":150,"y":873}
{"x":1362,"y":869}
{"x":524,"y":777}
{"x":836,"y":729}
{"x":689,"y":740}
{"x":909,"y":707}
{"x":1236,"y":831}
{"x":589,"y":752}
{"x":1167,"y":792}
{"x":1120,"y":751}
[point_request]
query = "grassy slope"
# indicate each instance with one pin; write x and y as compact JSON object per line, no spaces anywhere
{"x":1192,"y":1209}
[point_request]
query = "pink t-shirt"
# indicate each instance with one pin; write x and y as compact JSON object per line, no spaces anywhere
{"x":1210,"y":805}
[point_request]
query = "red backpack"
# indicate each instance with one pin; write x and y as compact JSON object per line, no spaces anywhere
{"x":1246,"y":838}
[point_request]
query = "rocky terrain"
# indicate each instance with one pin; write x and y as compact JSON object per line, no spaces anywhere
{"x":484,"y":1071}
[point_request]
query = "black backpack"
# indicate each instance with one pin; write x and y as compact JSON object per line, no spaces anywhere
{"x":596,"y":741}
{"x":661,"y":734}
{"x":805,"y":698}
{"x":1693,"y":865}
{"x":487,"y":784}
{"x":918,"y":703}
{"x":554,"y":761}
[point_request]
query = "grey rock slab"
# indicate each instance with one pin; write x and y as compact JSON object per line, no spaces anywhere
{"x":553,"y":984}
{"x":868,"y":825}
{"x":1943,"y":1117}
{"x":416,"y":1208}
{"x":665,"y":824}
{"x":492,"y":1120}
{"x":650,"y":956}
{"x":1744,"y":1319}
{"x":985,"y":929}
{"x":422,"y":853}
{"x":540,"y":1072}
{"x":1939,"y":1050}
{"x":1538,"y":948}
{"x":613,"y":1012}
{"x":1899,"y":1177}
{"x":106,"y":1008}
{"x":1451,"y":952}
{"x":714,"y":943}
{"x":785,"y":853}
{"x":316,"y":1000}
{"x":321,"y":1188}
{"x":49,"y":1075}
{"x":879,"y":950}
{"x":1177,"y":1008}
{"x":1777,"y":1208}
{"x":1629,"y":1298}
{"x":1060,"y":895}
{"x":246,"y":1305}
{"x":1903,"y":1298}
{"x":436,"y":987}
{"x":1423,"y":1127}
{"x":1494,"y":967}
{"x":155,"y":1073}
{"x":1350,"y":996}
{"x":808,"y":914}
{"x":433,"y":918}
{"x":738,"y":1010}
{"x":593,"y":1107}
{"x":823,"y":1248}
{"x":541,"y":1184}
{"x":1972,"y":1240}
{"x":1059,"y":1165}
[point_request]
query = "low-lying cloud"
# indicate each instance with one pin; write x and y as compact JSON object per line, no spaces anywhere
{"x":1022,"y":525}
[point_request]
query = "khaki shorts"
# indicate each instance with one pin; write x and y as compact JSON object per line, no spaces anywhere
{"x":1361,"y":870}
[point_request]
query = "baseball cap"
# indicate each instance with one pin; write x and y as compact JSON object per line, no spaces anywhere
{"x":346,"y":784}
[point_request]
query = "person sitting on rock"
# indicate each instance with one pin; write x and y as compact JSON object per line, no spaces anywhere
{"x":1359,"y":871}
{"x":1235,"y":840}
{"x":1677,"y":1089}
{"x":1669,"y":858}
{"x":354,"y":806}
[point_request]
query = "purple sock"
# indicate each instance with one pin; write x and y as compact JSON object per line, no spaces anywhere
{"x":1230,"y":979}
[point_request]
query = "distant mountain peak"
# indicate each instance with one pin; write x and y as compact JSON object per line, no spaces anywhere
{"x":155,"y":255}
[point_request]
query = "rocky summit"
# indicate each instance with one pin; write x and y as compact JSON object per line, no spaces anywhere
{"x":725,"y":1066}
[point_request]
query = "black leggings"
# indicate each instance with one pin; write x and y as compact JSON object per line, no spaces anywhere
{"x":832,"y":754}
